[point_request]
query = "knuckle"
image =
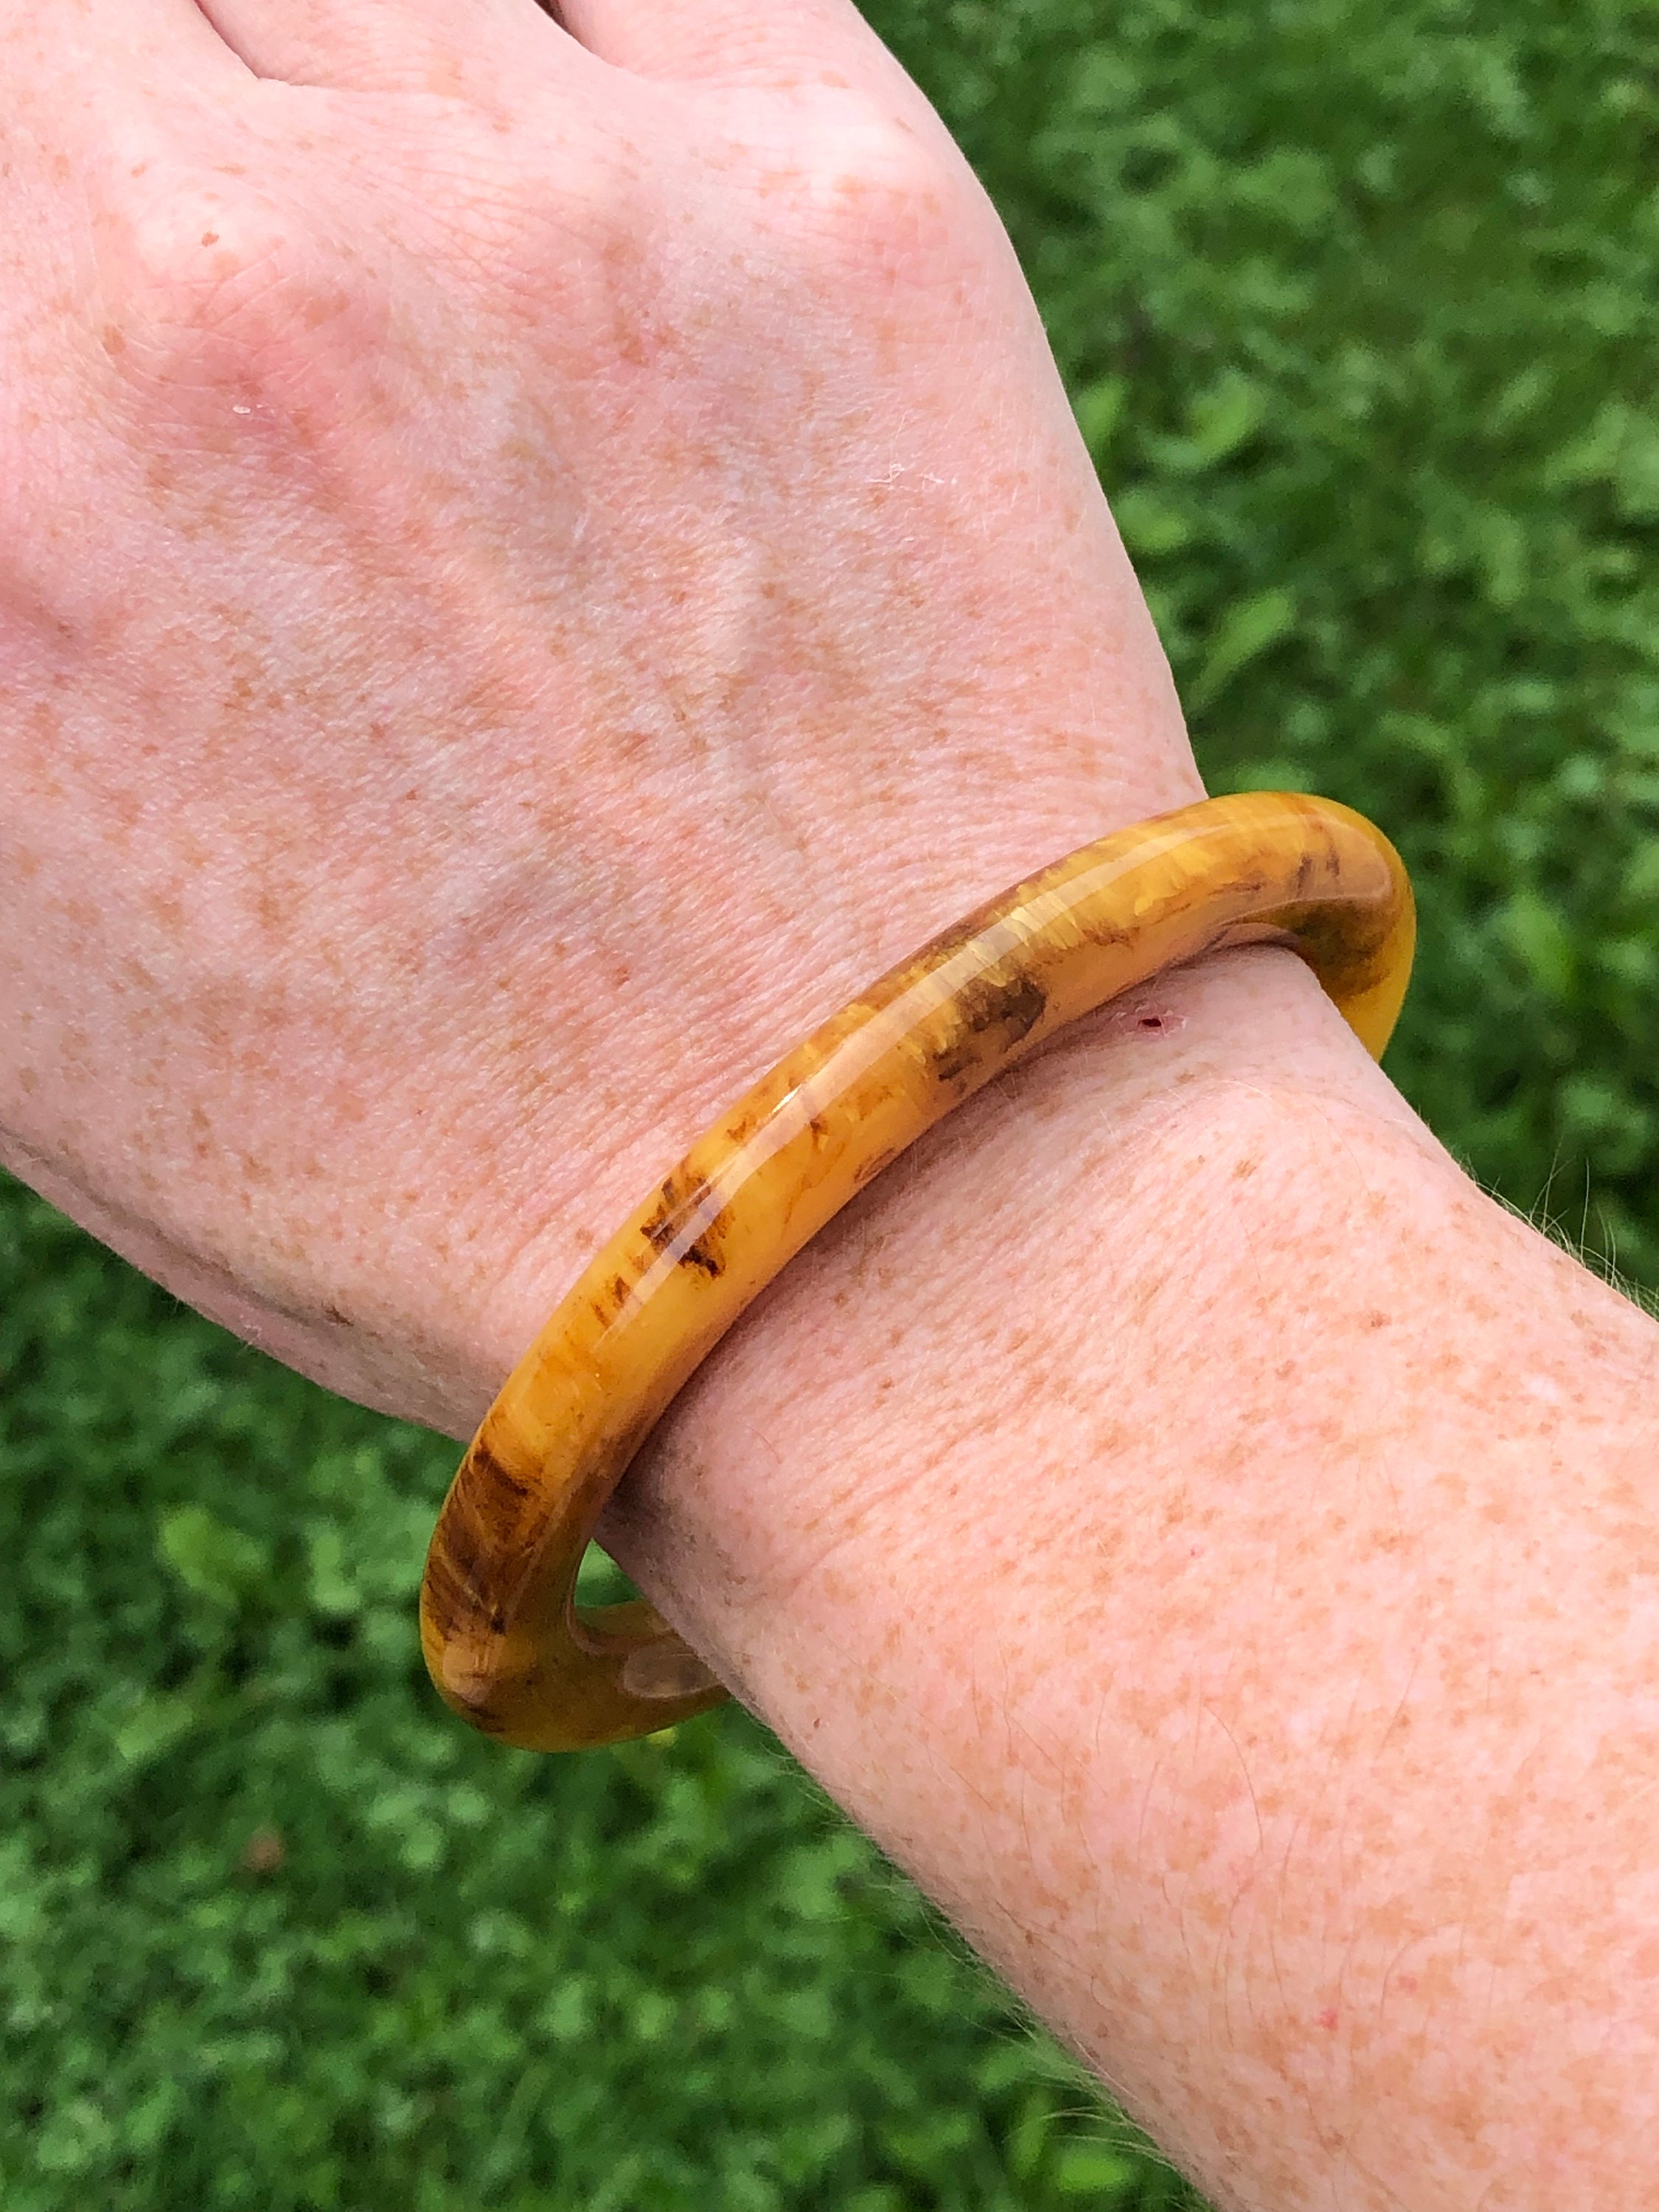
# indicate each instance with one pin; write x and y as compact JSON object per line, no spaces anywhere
{"x":879,"y":196}
{"x":217,"y":297}
{"x":517,"y":218}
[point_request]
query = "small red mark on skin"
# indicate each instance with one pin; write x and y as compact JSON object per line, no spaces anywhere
{"x":209,"y":238}
{"x":1196,"y":1553}
{"x":1407,"y":1983}
{"x":1327,"y":2018}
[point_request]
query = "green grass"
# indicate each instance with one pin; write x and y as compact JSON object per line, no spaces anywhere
{"x":1358,"y":304}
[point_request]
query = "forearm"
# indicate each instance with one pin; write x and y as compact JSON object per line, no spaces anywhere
{"x":1204,"y":1539}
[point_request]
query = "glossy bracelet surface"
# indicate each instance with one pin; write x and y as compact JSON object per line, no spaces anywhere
{"x":505,"y":1642}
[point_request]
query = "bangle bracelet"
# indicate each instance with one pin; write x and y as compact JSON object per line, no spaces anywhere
{"x":505,"y":1643}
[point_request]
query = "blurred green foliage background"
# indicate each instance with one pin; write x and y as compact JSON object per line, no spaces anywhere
{"x":1358,"y":306}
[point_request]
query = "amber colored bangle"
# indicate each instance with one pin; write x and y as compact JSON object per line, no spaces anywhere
{"x":506,"y":1643}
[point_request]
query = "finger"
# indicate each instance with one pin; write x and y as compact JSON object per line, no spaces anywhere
{"x":461,"y":48}
{"x":734,"y":41}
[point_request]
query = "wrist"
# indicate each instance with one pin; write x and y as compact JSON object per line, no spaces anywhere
{"x":662,"y":1060}
{"x":1130,"y":1510}
{"x":896,"y":1381}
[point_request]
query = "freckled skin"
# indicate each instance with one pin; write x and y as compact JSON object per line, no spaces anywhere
{"x":503,"y":1640}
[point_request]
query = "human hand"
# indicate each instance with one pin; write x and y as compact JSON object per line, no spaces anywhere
{"x":532,"y":565}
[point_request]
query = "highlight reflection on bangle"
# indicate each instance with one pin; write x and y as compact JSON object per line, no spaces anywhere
{"x":504,"y":1641}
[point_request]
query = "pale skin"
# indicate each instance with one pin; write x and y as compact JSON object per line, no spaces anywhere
{"x":533,"y":563}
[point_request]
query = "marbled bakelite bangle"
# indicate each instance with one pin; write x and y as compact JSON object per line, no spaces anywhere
{"x":504,"y":1640}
